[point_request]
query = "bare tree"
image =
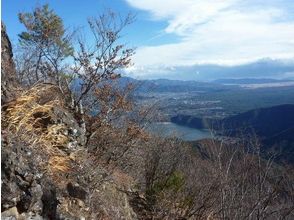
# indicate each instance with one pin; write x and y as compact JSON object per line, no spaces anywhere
{"x":224,"y":180}
{"x":104,"y":58}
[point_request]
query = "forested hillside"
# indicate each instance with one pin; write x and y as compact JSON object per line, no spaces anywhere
{"x":80,"y":152}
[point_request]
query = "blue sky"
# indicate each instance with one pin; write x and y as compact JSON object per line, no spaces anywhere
{"x":174,"y":33}
{"x":74,"y":13}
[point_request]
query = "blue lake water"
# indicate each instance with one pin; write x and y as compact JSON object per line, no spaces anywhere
{"x":169,"y":129}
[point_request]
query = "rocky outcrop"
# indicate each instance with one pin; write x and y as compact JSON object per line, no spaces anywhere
{"x":47,"y":172}
{"x":22,"y":184}
{"x":36,"y":132}
{"x":8,"y":74}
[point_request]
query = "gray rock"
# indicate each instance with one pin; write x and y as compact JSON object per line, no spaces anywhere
{"x":76,"y":191}
{"x":8,"y":74}
{"x":10,"y":214}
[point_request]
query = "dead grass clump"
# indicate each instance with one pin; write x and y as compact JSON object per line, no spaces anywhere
{"x":59,"y":164}
{"x":55,"y":136}
{"x":33,"y":119}
{"x":59,"y":168}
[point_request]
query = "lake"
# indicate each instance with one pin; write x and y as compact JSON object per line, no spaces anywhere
{"x":168,"y":129}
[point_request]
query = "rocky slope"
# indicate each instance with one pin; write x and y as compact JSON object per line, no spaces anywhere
{"x":53,"y":169}
{"x":47,"y":173}
{"x":8,"y":75}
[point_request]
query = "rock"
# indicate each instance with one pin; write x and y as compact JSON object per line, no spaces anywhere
{"x":20,"y":189}
{"x":31,"y":216}
{"x":50,"y":202}
{"x":74,"y":190}
{"x":10,"y":214}
{"x":25,"y":201}
{"x":13,"y":185}
{"x":8,"y":73}
{"x":13,"y":214}
{"x":31,"y":188}
{"x":37,"y":192}
{"x":80,"y":203}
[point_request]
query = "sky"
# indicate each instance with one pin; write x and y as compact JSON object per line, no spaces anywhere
{"x":174,"y":34}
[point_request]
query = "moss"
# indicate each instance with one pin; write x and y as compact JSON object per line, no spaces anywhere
{"x":174,"y":182}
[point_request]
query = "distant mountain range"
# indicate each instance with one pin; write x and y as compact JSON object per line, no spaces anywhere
{"x":166,"y":85}
{"x":243,"y":81}
{"x":264,"y":68}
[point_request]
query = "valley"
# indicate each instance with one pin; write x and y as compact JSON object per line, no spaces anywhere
{"x":227,"y":110}
{"x":209,"y":100}
{"x":140,"y":110}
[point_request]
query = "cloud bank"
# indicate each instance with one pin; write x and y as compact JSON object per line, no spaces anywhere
{"x":224,"y":32}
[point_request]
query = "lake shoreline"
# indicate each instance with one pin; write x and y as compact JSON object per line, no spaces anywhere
{"x":171,"y":129}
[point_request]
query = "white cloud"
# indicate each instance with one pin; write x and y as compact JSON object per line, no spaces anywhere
{"x":219,"y":31}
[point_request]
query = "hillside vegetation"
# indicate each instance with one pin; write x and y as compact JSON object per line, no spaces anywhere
{"x":274,"y":127}
{"x":82,"y":153}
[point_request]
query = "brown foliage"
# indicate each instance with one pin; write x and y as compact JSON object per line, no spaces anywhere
{"x":105,"y":58}
{"x":228,"y":181}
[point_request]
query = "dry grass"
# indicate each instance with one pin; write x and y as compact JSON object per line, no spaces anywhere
{"x":55,"y":136}
{"x":59,"y":164}
{"x":32,"y":118}
{"x":122,"y":179}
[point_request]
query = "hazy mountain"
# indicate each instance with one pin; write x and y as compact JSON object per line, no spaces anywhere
{"x":265,"y":68}
{"x":250,"y":81}
{"x":167,"y":85}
